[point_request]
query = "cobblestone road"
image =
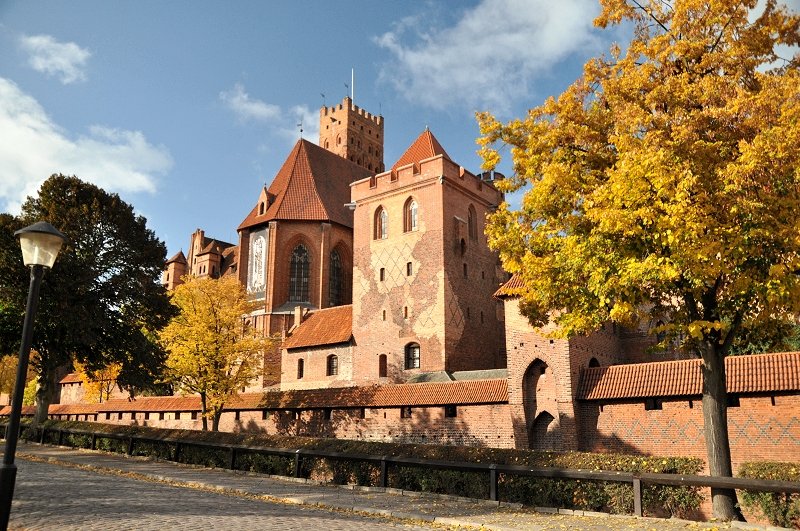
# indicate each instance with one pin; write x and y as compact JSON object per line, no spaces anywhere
{"x":60,"y":488}
{"x":48,"y":496}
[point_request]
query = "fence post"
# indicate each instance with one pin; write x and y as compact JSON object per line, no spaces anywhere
{"x":384,"y":472}
{"x":297,"y":463}
{"x":60,"y":437}
{"x":493,"y":482}
{"x":94,"y":441}
{"x":637,"y":496}
{"x":130,"y":445}
{"x":232,"y":459}
{"x":177,"y":454}
{"x":41,"y":435}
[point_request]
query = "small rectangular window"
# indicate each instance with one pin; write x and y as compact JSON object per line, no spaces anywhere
{"x":409,"y":269}
{"x":651,"y":404}
{"x":161,"y":416}
{"x":382,"y":274}
{"x":108,"y":416}
{"x":178,"y":415}
{"x":238,"y":414}
{"x":450,"y":411}
{"x":326,"y":413}
{"x":146,"y":415}
{"x":362,"y":413}
{"x":405,"y":412}
{"x":119,"y":415}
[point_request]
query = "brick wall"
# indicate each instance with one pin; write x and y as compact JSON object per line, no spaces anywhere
{"x":410,"y":287}
{"x":315,"y":367}
{"x":761,"y":428}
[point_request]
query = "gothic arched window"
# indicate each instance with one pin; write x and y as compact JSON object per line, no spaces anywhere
{"x":472,"y":223}
{"x":335,"y":283}
{"x":410,"y":211}
{"x":299,"y":274}
{"x":412,"y":356}
{"x":332,"y":365}
{"x":381,"y":224}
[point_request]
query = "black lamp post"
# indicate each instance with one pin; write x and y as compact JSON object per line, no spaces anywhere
{"x":40,"y":244}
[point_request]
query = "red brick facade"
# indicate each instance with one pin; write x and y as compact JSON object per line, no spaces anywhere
{"x":415,"y":265}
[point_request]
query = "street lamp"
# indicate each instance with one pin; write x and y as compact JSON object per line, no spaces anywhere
{"x":40,"y":244}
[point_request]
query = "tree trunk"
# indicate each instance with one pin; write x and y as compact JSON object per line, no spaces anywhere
{"x":715,"y":419}
{"x":203,"y":412}
{"x":45,"y":389}
{"x":217,"y":416}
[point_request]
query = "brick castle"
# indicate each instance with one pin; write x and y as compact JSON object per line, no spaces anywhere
{"x":398,"y":324}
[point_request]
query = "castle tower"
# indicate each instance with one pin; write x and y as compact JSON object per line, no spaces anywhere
{"x":423,"y":275}
{"x":353,"y":134}
{"x":176,"y":269}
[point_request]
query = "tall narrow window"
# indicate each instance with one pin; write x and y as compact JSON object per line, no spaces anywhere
{"x":381,"y":224}
{"x":410,"y":215}
{"x":412,"y":356}
{"x":472,"y":223}
{"x":383,"y":369}
{"x":333,"y":365}
{"x":300,"y":368}
{"x":335,"y":291}
{"x":298,"y":274}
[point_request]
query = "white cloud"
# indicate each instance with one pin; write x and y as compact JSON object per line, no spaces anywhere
{"x":491,"y":55}
{"x":284,"y":123}
{"x":66,"y":60}
{"x":35,"y":147}
{"x":247,"y":109}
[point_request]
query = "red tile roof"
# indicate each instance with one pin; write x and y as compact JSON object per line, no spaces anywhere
{"x":323,"y":327}
{"x":214,"y":247}
{"x":424,"y":147}
{"x":510,"y":288}
{"x":423,"y":394}
{"x":72,"y":377}
{"x":312,"y":185}
{"x":151,"y":403}
{"x":72,"y":409}
{"x":27,"y":411}
{"x":180,"y":258}
{"x":759,"y":373}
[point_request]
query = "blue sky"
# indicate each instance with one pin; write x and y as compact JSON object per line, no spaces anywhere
{"x":186,"y":109}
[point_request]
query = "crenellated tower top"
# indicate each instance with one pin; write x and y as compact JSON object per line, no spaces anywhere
{"x":353,"y":133}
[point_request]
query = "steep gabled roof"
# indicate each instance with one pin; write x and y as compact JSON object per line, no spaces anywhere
{"x":179,"y":258}
{"x":759,"y":373}
{"x":312,"y":185}
{"x":424,"y":147}
{"x":323,"y":327}
{"x":211,"y":246}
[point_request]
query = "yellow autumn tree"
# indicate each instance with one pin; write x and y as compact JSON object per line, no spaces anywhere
{"x":665,"y":184}
{"x":212,"y":349}
{"x":98,"y":384}
{"x":8,"y":375}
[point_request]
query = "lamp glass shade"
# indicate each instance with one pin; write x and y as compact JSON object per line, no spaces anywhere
{"x":39,"y":248}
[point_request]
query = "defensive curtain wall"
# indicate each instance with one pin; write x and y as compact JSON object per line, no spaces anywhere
{"x":649,"y":409}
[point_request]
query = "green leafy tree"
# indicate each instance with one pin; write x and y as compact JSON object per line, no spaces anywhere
{"x":213,"y":349}
{"x":102,"y":296}
{"x":665,"y":184}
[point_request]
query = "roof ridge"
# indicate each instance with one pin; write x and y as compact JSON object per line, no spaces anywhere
{"x":315,"y":188}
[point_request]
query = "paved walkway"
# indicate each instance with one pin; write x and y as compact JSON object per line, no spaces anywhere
{"x":61,"y":488}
